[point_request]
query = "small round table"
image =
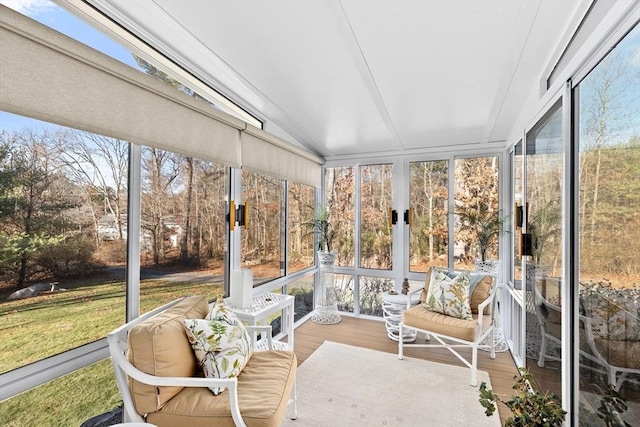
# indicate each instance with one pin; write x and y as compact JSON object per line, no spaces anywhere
{"x":392,"y":308}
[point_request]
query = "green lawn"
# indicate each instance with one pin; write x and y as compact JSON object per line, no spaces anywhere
{"x":66,"y":401}
{"x":42,"y":326}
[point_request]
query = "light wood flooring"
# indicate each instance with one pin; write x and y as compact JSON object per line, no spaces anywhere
{"x":372,"y":334}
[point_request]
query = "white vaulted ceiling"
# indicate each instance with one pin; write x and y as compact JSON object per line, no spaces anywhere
{"x":349,"y":77}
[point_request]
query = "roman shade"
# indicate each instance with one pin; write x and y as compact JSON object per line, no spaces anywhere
{"x":264,"y":153}
{"x":51,"y":77}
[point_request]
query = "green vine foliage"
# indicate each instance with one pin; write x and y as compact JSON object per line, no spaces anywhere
{"x":529,"y":407}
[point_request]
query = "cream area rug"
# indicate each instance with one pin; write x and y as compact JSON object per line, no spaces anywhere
{"x":341,"y":385}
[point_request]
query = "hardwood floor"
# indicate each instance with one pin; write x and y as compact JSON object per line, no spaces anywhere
{"x":372,"y":334}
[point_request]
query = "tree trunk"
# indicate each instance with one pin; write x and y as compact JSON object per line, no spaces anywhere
{"x":186,"y":233}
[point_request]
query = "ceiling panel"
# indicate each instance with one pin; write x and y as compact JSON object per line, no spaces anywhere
{"x":350,"y":77}
{"x":295,"y":54}
{"x":444,"y":73}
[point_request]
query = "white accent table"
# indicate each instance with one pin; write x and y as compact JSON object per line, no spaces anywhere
{"x":264,"y":305}
{"x":392,"y":308}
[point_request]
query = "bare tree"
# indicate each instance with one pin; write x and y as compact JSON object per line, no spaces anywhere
{"x":100,"y":164}
{"x":607,"y":105}
{"x":186,"y":234}
{"x":340,"y":188}
{"x":428,"y":203}
{"x":160,"y":170}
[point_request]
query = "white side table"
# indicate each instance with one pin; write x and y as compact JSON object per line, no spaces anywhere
{"x":264,"y":305}
{"x":392,"y":308}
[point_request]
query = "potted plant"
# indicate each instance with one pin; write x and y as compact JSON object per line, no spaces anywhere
{"x":530,"y":408}
{"x":485,"y":224}
{"x":326,"y":307}
{"x":321,"y":226}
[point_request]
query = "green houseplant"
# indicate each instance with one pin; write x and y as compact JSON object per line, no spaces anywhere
{"x":485,"y":223}
{"x":530,"y":408}
{"x":321,"y":226}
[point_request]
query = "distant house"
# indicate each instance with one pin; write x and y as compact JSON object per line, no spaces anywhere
{"x":173,"y":231}
{"x":107,"y":230}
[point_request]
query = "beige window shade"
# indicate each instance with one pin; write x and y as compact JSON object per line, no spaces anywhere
{"x":264,"y":153}
{"x":48,"y":76}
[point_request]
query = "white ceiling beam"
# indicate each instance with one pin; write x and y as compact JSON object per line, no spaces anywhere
{"x":519,"y":37}
{"x":360,"y":61}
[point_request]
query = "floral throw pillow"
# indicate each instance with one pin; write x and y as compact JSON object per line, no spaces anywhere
{"x":221,"y":343}
{"x":449,"y":295}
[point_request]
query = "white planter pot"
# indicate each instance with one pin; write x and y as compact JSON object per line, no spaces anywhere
{"x":488,"y":266}
{"x":326,"y":300}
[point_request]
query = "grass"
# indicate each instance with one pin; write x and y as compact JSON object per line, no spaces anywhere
{"x":42,"y":326}
{"x":65,"y":401}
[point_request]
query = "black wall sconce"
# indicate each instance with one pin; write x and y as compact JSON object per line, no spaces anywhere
{"x":393,"y":216}
{"x":242,"y":214}
{"x":408,"y":217}
{"x":526,"y":244}
{"x":238,"y":214}
{"x":518,"y":216}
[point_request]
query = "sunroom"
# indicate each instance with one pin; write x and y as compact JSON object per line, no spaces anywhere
{"x":155,"y":149}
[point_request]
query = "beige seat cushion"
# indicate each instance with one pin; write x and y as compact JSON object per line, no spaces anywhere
{"x":421,"y":318}
{"x":159,"y":346}
{"x":264,"y":387}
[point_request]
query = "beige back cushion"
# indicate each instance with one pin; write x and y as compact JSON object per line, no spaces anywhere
{"x":480,"y":293}
{"x":159,"y":346}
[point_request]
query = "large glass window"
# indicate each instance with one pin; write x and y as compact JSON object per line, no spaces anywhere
{"x":376,"y":199}
{"x":476,"y":204}
{"x":63,"y":221}
{"x":262,"y":239}
{"x":478,"y":219}
{"x":300,"y":202}
{"x":182,"y":236}
{"x":429,"y":232}
{"x":63,"y":228}
{"x":543,"y":272}
{"x":340,"y":203}
{"x":609,"y":226}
